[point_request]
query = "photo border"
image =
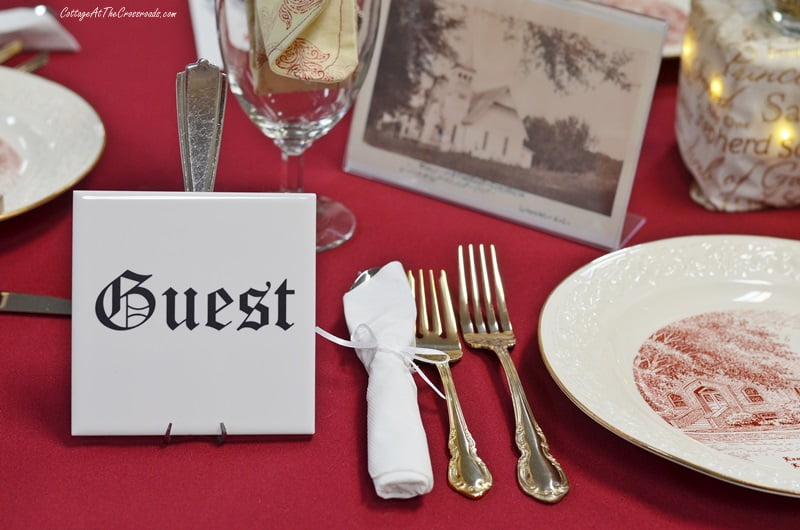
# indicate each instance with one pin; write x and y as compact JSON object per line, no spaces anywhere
{"x":643,"y":34}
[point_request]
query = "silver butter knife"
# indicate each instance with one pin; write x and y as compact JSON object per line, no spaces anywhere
{"x":34,"y":303}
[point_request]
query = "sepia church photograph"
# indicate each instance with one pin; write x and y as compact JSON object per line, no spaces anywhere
{"x":506,"y":99}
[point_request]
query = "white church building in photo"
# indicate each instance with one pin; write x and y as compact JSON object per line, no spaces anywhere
{"x":455,"y":118}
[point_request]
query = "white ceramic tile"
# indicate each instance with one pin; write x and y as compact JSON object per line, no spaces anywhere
{"x":137,"y":381}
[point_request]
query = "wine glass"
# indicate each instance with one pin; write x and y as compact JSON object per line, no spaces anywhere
{"x":295,"y":111}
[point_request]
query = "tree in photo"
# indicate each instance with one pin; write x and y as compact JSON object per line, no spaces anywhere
{"x":569,"y":59}
{"x":415,"y":36}
{"x":562,"y":145}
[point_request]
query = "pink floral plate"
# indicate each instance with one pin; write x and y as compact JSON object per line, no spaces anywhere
{"x":50,"y":138}
{"x":690,"y":348}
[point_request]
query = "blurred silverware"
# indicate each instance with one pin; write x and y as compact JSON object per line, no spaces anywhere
{"x":466,"y":472}
{"x":34,"y":303}
{"x":34,"y":63}
{"x":201,"y":91}
{"x":10,"y":49}
{"x":538,"y":473}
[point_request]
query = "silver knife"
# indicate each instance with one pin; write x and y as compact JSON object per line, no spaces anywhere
{"x":34,"y":303}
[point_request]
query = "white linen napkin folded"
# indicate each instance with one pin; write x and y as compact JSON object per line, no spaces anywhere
{"x":397,"y":449}
{"x":38,"y":29}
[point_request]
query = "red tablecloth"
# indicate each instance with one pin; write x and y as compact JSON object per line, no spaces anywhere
{"x":126,"y":70}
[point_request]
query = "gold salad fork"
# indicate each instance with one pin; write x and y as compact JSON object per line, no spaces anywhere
{"x":538,"y":473}
{"x":466,"y":472}
{"x":9,"y":50}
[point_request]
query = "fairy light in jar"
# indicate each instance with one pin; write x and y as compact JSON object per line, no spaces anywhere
{"x":688,"y":47}
{"x":785,"y":131}
{"x":715,"y":87}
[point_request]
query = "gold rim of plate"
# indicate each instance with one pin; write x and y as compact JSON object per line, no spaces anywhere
{"x":92,"y":158}
{"x":619,"y":431}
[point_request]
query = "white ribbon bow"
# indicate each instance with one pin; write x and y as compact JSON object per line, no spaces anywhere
{"x":364,"y":339}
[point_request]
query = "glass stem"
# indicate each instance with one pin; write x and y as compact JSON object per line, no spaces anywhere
{"x":291,"y":172}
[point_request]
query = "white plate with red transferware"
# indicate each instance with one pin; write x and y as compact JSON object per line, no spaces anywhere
{"x":675,"y":12}
{"x":49,"y":140}
{"x":689,"y":347}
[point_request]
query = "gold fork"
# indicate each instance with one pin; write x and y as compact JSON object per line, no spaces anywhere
{"x":7,"y":51}
{"x":538,"y":473}
{"x":34,"y":63}
{"x":466,"y":472}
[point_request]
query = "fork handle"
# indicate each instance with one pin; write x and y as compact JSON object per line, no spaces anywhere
{"x":466,"y":472}
{"x":538,"y":473}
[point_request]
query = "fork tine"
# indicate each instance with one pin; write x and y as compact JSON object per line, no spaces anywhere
{"x":477,"y":310}
{"x":437,"y":317}
{"x":499,"y":293}
{"x":412,"y":283}
{"x":463,"y":296}
{"x":423,"y":325}
{"x":450,"y":328}
{"x":491,"y":319}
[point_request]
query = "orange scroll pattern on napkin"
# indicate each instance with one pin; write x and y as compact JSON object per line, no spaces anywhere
{"x":305,"y":61}
{"x":290,"y":7}
{"x":300,"y":45}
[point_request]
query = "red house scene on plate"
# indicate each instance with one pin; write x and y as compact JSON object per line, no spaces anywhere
{"x":10,"y":166}
{"x":729,"y":379}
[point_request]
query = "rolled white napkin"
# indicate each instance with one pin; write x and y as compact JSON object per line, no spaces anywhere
{"x":37,"y":28}
{"x":397,"y":449}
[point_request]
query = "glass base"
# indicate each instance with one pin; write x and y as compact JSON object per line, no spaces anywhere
{"x":335,"y":223}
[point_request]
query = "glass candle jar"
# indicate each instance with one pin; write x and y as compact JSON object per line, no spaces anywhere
{"x":785,"y":14}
